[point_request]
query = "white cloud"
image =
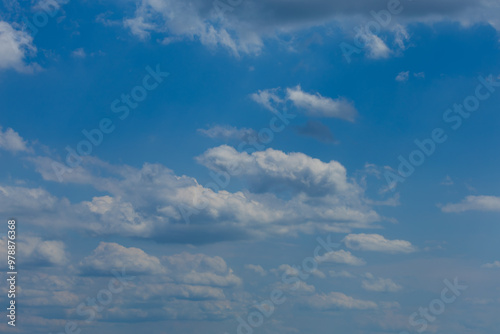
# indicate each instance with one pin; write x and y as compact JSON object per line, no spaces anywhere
{"x":314,"y":105}
{"x":34,"y":251}
{"x":15,"y":47}
{"x":375,"y":46}
{"x":199,"y":269}
{"x":270,"y":168}
{"x":377,"y":243}
{"x":198,"y":20}
{"x":492,"y":265}
{"x":337,"y":300}
{"x":11,"y":141}
{"x":474,"y":203}
{"x":341,"y":256}
{"x":294,"y":271}
{"x":403,"y":76}
{"x":111,"y":256}
{"x":256,"y":268}
{"x":268,"y":98}
{"x":245,"y":27}
{"x":79,"y":53}
{"x":288,"y":194}
{"x":226,"y":132}
{"x":320,"y":106}
{"x":372,"y":283}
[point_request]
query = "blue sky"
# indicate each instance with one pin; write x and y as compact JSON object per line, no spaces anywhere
{"x":229,"y":141}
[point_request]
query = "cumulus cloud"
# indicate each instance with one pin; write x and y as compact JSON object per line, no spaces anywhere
{"x":341,"y":256}
{"x":226,"y":132}
{"x":493,"y":265}
{"x":288,"y":194}
{"x":320,"y":106}
{"x":15,"y":47}
{"x":244,"y":27}
{"x":111,"y":256}
{"x":180,"y":286}
{"x":272,"y":168}
{"x":377,"y":243}
{"x":403,"y":76}
{"x":474,"y":203}
{"x":337,"y":300}
{"x":294,"y":271}
{"x":36,"y":252}
{"x":199,"y":20}
{"x":256,"y":268}
{"x":314,"y":105}
{"x":199,"y":269}
{"x":11,"y":141}
{"x":372,"y":283}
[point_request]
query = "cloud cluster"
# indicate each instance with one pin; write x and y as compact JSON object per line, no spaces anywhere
{"x":337,"y":300}
{"x":474,"y":203}
{"x":377,"y":243}
{"x":11,"y":141}
{"x":226,"y":132}
{"x":372,"y":283}
{"x":15,"y":47}
{"x":243,"y":26}
{"x":289,"y":193}
{"x":313,"y":105}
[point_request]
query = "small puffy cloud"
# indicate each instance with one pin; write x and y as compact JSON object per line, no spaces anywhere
{"x":15,"y":46}
{"x":341,"y":256}
{"x":111,"y":256}
{"x":200,"y":269}
{"x":377,"y":243}
{"x":295,"y":271}
{"x":314,"y":105}
{"x":226,"y":132}
{"x":300,"y":288}
{"x":372,"y":283}
{"x":11,"y":141}
{"x":35,"y":251}
{"x":403,"y":76}
{"x":493,"y":265}
{"x":79,"y":53}
{"x":474,"y":203}
{"x":337,"y":300}
{"x":320,"y":106}
{"x":258,"y":269}
{"x":268,"y":98}
{"x":375,"y":46}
